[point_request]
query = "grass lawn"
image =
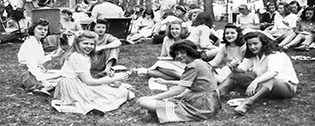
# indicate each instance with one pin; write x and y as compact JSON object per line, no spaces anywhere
{"x":19,"y":108}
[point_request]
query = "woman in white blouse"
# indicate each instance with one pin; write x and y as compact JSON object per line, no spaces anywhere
{"x":263,"y":72}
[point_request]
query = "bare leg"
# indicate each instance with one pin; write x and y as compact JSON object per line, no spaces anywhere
{"x":159,"y":74}
{"x":295,"y":41}
{"x":170,"y":73}
{"x":287,"y":38}
{"x":149,"y":104}
{"x":309,"y":39}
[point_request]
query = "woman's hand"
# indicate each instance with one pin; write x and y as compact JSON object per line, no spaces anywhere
{"x":121,"y":76}
{"x":115,"y":84}
{"x":56,"y":53}
{"x":251,"y":89}
{"x":161,"y":81}
{"x":234,"y":63}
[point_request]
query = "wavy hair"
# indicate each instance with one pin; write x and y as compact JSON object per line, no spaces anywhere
{"x":303,"y":16}
{"x":240,"y":38}
{"x":75,"y":47}
{"x":185,"y":45}
{"x":183,"y":33}
{"x":42,"y":22}
{"x":268,"y":46}
{"x":203,"y":18}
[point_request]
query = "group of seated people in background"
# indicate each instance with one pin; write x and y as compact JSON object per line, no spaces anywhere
{"x":191,"y":52}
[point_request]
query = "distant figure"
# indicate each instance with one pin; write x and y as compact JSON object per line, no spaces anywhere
{"x":107,"y":9}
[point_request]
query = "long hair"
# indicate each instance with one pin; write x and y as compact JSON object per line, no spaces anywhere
{"x":148,"y":11}
{"x":303,"y":16}
{"x":297,"y":4}
{"x":75,"y":47}
{"x":240,"y":38}
{"x":268,"y":46}
{"x":188,"y":46}
{"x":203,"y":18}
{"x":183,"y":33}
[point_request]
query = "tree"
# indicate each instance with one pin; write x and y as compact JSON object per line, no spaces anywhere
{"x":148,"y":4}
{"x":208,"y":7}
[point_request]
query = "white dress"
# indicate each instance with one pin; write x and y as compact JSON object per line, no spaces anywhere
{"x":73,"y":95}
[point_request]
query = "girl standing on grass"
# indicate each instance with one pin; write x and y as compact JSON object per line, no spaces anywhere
{"x":77,"y":91}
{"x":107,"y":48}
{"x":234,"y":46}
{"x":200,"y":35}
{"x":166,"y":67}
{"x":305,"y":30}
{"x":264,"y":72}
{"x":31,"y":56}
{"x":200,"y":102}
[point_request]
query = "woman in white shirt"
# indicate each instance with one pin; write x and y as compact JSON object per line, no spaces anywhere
{"x":263,"y":72}
{"x":31,"y":56}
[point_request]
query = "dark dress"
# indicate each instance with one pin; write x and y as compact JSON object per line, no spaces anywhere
{"x":200,"y":104}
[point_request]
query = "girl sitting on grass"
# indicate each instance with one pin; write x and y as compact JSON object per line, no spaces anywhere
{"x":166,"y":67}
{"x":200,"y":102}
{"x":200,"y":35}
{"x":31,"y":56}
{"x":264,"y":72}
{"x":305,"y":30}
{"x":107,"y":48}
{"x":234,"y":47}
{"x":77,"y":91}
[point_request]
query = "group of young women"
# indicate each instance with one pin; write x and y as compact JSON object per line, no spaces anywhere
{"x":256,"y":63}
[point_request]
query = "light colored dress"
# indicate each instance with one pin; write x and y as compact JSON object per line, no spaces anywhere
{"x":200,"y":36}
{"x":200,"y":104}
{"x":168,"y":64}
{"x":228,"y":53}
{"x":73,"y":95}
{"x":105,"y":55}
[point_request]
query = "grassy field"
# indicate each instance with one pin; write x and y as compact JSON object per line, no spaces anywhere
{"x":20,"y":109}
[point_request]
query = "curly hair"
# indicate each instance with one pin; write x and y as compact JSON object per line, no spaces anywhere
{"x":185,"y":45}
{"x":183,"y":33}
{"x":303,"y":16}
{"x":268,"y":46}
{"x":98,"y":21}
{"x":240,"y":38}
{"x":42,"y":22}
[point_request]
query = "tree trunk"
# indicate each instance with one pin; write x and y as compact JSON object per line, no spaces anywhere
{"x":148,"y":4}
{"x":181,"y":2}
{"x":208,"y":7}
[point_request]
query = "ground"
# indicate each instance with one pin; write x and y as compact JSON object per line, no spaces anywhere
{"x":19,"y":108}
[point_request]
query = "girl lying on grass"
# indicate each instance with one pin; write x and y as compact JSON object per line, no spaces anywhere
{"x":264,"y":72}
{"x":77,"y":91}
{"x":200,"y":102}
